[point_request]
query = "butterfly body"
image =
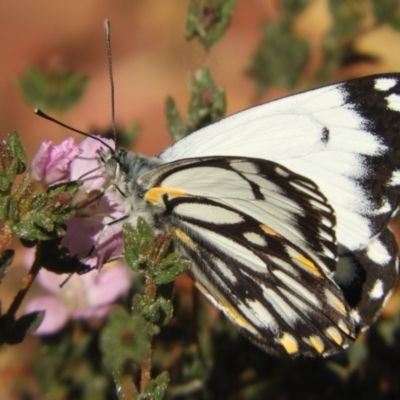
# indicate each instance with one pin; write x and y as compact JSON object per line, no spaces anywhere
{"x":283,"y":211}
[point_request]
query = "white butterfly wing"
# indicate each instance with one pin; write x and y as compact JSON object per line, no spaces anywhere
{"x":344,"y":137}
{"x":263,"y":247}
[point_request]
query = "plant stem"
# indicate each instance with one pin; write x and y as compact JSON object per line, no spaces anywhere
{"x":145,"y":376}
{"x":23,"y":290}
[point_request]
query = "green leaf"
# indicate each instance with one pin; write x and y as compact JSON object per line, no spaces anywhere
{"x":157,"y":387}
{"x":127,"y":136}
{"x":124,"y":340}
{"x":25,"y":326}
{"x":17,"y":150}
{"x":207,"y":105}
{"x":157,"y":312}
{"x":8,"y":209}
{"x":292,"y":8}
{"x":208,"y":20}
{"x":14,"y":331}
{"x":176,"y":126}
{"x":58,"y":90}
{"x":170,"y":268}
{"x":347,"y":17}
{"x":13,"y":161}
{"x":37,"y":214}
{"x":387,"y":12}
{"x":280,"y":58}
{"x":136,"y":242}
{"x":6,"y":260}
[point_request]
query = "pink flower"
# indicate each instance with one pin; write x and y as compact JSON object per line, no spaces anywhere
{"x":51,"y":163}
{"x":95,"y":208}
{"x":86,"y":296}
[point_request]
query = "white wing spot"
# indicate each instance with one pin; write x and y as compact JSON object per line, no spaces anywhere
{"x":208,"y":213}
{"x":384,"y":84}
{"x":246,"y":167}
{"x":298,"y":288}
{"x":283,"y":309}
{"x":378,"y":253}
{"x":393,"y":102}
{"x":335,"y":302}
{"x":281,"y":172}
{"x":255,"y":238}
{"x":260,"y":315}
{"x":395,"y":179}
{"x":377,"y":291}
{"x":386,"y":208}
{"x":224,"y":269}
{"x":355,"y":316}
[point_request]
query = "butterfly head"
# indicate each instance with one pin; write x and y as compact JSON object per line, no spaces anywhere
{"x":122,"y":165}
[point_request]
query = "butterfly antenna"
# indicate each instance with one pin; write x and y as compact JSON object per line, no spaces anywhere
{"x":110,"y":71}
{"x":40,"y":113}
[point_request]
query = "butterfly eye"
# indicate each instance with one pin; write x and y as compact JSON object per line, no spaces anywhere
{"x":111,"y":168}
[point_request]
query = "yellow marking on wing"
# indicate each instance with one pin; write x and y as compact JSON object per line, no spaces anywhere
{"x":340,"y":306}
{"x":317,"y":343}
{"x":184,"y":238}
{"x":202,"y":288}
{"x":269,"y":230}
{"x":289,"y":343}
{"x":227,"y":308}
{"x":235,"y":315}
{"x":343,"y":327}
{"x":308,"y":264}
{"x":153,"y":195}
{"x":335,"y":335}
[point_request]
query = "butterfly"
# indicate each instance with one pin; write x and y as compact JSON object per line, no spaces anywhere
{"x":283,"y":210}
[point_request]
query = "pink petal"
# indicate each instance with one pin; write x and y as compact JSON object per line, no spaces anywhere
{"x":110,"y":284}
{"x":40,"y":160}
{"x":82,"y":235}
{"x":91,"y":312}
{"x":88,"y":161}
{"x":51,"y":281}
{"x":52,"y":162}
{"x":56,"y":315}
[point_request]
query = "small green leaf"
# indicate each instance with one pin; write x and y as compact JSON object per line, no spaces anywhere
{"x":208,"y":20}
{"x":280,"y":58}
{"x":6,"y":260}
{"x":136,"y":242}
{"x":157,"y":387}
{"x":13,"y":160}
{"x":176,"y":126}
{"x":58,"y":90}
{"x":347,"y":16}
{"x":17,"y":150}
{"x":292,"y":8}
{"x":124,"y":340}
{"x":387,"y":12}
{"x":25,"y":326}
{"x":207,"y":105}
{"x":14,"y":331}
{"x":127,"y":137}
{"x":157,"y":312}
{"x":170,"y":268}
{"x":5,"y":205}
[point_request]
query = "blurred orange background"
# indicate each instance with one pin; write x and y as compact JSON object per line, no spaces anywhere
{"x":151,"y":60}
